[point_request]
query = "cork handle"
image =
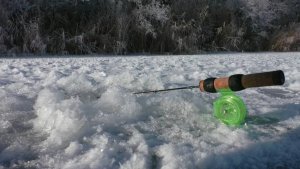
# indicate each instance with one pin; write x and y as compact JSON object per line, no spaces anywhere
{"x":240,"y":82}
{"x":263,"y":79}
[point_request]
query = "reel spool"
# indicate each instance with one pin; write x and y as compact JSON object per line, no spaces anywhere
{"x":230,"y":108}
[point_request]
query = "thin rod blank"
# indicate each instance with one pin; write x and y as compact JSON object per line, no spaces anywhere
{"x":164,"y":90}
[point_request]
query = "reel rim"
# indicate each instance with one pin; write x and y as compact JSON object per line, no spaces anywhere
{"x":236,"y":106}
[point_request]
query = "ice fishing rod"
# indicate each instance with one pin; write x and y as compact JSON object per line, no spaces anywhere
{"x":236,"y":82}
{"x":230,"y":108}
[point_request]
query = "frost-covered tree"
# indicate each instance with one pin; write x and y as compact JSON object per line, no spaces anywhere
{"x":189,"y":25}
{"x":264,"y":12}
{"x":147,"y":14}
{"x":19,"y":27}
{"x":149,"y":18}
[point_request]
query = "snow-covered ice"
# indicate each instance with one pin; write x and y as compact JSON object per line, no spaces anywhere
{"x":68,"y":113}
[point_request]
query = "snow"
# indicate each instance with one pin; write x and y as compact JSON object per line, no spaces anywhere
{"x":80,"y":112}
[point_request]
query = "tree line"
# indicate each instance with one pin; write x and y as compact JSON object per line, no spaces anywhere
{"x":148,"y":26}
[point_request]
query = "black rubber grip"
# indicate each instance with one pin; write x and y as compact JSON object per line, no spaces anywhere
{"x":263,"y":79}
{"x":235,"y":82}
{"x":209,"y":86}
{"x":278,"y":77}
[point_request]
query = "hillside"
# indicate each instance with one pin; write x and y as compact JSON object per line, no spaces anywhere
{"x":147,"y":26}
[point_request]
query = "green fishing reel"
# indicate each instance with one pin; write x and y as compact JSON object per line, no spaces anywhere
{"x":230,"y":108}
